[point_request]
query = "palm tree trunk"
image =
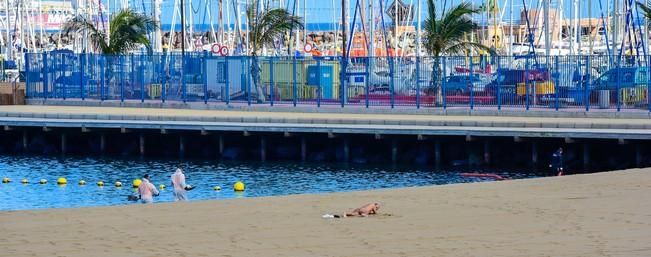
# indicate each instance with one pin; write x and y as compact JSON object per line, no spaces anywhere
{"x":256,"y":69}
{"x":437,"y":77}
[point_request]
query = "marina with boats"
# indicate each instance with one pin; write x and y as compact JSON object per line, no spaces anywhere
{"x":539,"y":54}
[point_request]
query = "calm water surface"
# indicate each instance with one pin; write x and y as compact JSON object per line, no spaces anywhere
{"x":261,"y":179}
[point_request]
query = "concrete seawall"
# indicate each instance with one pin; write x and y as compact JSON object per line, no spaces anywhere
{"x":438,"y":139}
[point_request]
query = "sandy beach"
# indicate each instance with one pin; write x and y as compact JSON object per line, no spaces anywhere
{"x":604,"y":214}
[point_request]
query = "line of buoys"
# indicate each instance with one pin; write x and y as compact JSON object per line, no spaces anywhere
{"x":136,"y":183}
{"x":62,"y":181}
{"x":238,"y":186}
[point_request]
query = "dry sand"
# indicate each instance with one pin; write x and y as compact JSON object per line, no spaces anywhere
{"x":605,"y":214}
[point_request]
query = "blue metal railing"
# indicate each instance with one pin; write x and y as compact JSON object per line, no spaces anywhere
{"x":473,"y":82}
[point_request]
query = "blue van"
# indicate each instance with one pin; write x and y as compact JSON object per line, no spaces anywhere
{"x":630,"y":77}
{"x":629,"y":83}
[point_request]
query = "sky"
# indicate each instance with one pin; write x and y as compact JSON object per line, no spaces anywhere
{"x":325,"y":11}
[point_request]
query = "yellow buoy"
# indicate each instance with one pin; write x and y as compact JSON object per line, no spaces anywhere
{"x":217,"y":188}
{"x":238,"y":186}
{"x":82,"y":182}
{"x":136,"y":182}
{"x":161,"y":186}
{"x":118,"y":184}
{"x":100,"y":183}
{"x":62,"y":181}
{"x":6,"y":180}
{"x":42,"y":181}
{"x":24,"y":181}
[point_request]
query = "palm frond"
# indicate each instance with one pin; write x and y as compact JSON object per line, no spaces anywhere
{"x":265,"y":26}
{"x":447,"y":33}
{"x":461,"y":47}
{"x":127,"y":30}
{"x":79,"y":23}
{"x":646,"y":10}
{"x":430,"y":26}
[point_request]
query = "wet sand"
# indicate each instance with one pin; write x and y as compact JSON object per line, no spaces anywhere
{"x":604,"y":214}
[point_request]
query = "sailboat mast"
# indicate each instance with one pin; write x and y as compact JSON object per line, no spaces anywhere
{"x":296,"y":9}
{"x":19,"y":14}
{"x":87,"y":15}
{"x":615,"y":25}
{"x":108,"y":21}
{"x":212,"y":27}
{"x":40,"y":15}
{"x":343,"y":29}
{"x":559,"y":26}
{"x":336,"y":28}
{"x":512,"y":38}
{"x":395,"y":29}
{"x":157,"y":46}
{"x":495,"y":29}
{"x":221,"y":22}
{"x":573,"y":27}
{"x":547,"y":34}
{"x":590,"y":38}
{"x":182,"y":30}
{"x":191,"y":27}
{"x":305,"y":21}
{"x":418,"y":30}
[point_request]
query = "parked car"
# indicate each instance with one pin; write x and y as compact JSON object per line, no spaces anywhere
{"x":462,"y":84}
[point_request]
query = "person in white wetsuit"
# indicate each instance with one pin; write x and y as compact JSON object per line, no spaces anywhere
{"x":178,"y":182}
{"x":147,"y":190}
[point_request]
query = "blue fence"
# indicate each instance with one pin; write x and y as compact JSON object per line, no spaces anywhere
{"x":529,"y":82}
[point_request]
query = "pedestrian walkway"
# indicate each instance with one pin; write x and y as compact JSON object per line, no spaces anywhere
{"x":314,"y":122}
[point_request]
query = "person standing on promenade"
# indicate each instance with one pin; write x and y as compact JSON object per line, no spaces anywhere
{"x":557,"y":162}
{"x":178,"y":181}
{"x":147,"y":190}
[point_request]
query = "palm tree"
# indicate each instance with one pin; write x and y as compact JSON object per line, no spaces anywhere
{"x":646,"y":10}
{"x":127,"y":31}
{"x":264,"y":27}
{"x":447,"y":35}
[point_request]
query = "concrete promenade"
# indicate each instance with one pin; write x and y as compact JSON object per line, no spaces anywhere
{"x":598,"y":125}
{"x":311,"y":107}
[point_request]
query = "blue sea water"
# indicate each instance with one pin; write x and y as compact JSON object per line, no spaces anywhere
{"x":261,"y":179}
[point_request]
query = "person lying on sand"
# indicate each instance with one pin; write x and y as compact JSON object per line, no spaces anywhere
{"x":364,"y":211}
